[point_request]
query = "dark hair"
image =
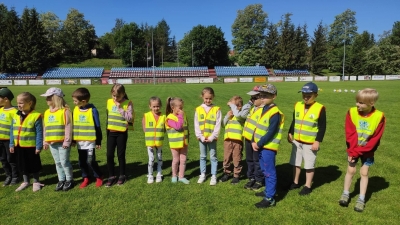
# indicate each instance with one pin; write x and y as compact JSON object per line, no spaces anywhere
{"x":171,"y":102}
{"x":208,"y":90}
{"x":119,"y":89}
{"x":81,"y":94}
{"x":155,"y":99}
{"x":28,"y":97}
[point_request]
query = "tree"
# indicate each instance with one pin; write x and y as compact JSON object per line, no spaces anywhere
{"x":301,"y":47}
{"x":52,"y":26}
{"x":269,"y":54}
{"x":11,"y":60}
{"x":319,"y":50}
{"x":248,"y":31}
{"x":127,"y":38}
{"x":287,"y":45}
{"x":3,"y":36}
{"x":395,"y":36}
{"x":362,"y":42}
{"x":162,"y":41}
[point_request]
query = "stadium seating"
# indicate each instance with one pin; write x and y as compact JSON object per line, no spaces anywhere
{"x":241,"y":71}
{"x":158,"y":72}
{"x":291,"y":72}
{"x":18,"y":76}
{"x":61,"y":73}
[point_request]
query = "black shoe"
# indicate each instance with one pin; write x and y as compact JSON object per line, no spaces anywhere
{"x":68,"y":185}
{"x":235,"y":180}
{"x":265,"y":203}
{"x":305,"y":191}
{"x":224,"y":178}
{"x":249,"y":184}
{"x":257,"y":186}
{"x":260,"y":194}
{"x":7,"y":181}
{"x":121,"y":180}
{"x":293,"y":186}
{"x":111,"y":181}
{"x":14,"y":181}
{"x":59,"y":186}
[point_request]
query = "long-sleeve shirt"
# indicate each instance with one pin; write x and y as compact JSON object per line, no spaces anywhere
{"x":68,"y":129}
{"x":177,"y":125}
{"x":128,"y":114}
{"x":97,"y":127}
{"x":240,"y":115}
{"x":273,"y":127}
{"x":321,"y":124}
{"x":38,"y":130}
{"x":353,"y":149}
{"x":217,"y":126}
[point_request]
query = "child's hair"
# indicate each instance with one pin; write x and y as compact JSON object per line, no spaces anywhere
{"x":81,"y":94}
{"x":119,"y":89}
{"x":238,"y":100}
{"x":28,"y":97}
{"x":170,"y":103}
{"x":59,"y":102}
{"x":155,"y":99}
{"x":367,"y":96}
{"x":208,"y":90}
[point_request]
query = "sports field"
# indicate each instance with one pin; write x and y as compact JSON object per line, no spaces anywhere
{"x":137,"y":202}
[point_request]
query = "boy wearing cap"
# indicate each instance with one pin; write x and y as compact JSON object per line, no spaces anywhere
{"x":7,"y":158}
{"x":266,"y":140}
{"x":254,"y":173}
{"x":306,"y":132}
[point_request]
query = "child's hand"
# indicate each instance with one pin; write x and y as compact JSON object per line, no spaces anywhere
{"x":65,"y":146}
{"x":37,"y":152}
{"x":12,"y":149}
{"x":315,"y":146}
{"x":179,"y":111}
{"x":350,"y":159}
{"x":255,"y":146}
{"x":45,"y":147}
{"x":117,"y":104}
{"x":290,"y":138}
{"x":98,"y":146}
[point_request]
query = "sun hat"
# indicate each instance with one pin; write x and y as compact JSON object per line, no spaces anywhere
{"x":53,"y":91}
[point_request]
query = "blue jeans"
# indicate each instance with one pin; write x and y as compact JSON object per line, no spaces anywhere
{"x":61,"y":159}
{"x":212,"y":146}
{"x":267,"y":164}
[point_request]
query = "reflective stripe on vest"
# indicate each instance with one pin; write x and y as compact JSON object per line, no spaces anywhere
{"x":251,"y":123}
{"x":25,"y":131}
{"x":114,"y":120}
{"x":233,"y":130}
{"x":366,"y":126}
{"x":54,"y":122}
{"x":154,"y":130}
{"x":177,"y":139}
{"x":262,"y":128}
{"x":306,"y":124}
{"x":6,"y":116}
{"x":83,"y":125}
{"x":208,"y":120}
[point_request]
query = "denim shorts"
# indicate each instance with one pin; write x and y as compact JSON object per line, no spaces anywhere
{"x":366,"y":161}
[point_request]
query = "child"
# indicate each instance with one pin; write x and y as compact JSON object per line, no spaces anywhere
{"x":306,"y":132}
{"x":26,"y":140}
{"x":119,"y":114}
{"x":266,"y":140}
{"x":7,"y":158}
{"x":57,"y":132}
{"x":153,"y":124}
{"x":233,"y":139}
{"x":207,"y":123}
{"x":178,"y":135}
{"x":254,"y":173}
{"x":87,"y":135}
{"x":364,"y":128}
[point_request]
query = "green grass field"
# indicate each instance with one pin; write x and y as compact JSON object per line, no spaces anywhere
{"x":137,"y":202}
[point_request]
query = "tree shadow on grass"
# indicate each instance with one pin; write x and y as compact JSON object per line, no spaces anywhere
{"x":375,"y":184}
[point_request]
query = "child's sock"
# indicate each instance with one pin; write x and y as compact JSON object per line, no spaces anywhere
{"x":26,"y":178}
{"x":346,"y":193}
{"x":362,"y":197}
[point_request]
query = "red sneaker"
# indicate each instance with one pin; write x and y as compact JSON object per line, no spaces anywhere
{"x":85,"y":182}
{"x":99,"y":181}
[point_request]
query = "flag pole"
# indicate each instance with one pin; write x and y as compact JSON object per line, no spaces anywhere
{"x":152,"y":48}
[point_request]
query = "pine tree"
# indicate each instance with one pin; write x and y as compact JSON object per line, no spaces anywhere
{"x":319,"y":50}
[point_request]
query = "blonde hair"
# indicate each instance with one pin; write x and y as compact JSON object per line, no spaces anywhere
{"x":59,"y":102}
{"x":170,"y":103}
{"x":28,"y":97}
{"x":237,"y":100}
{"x":367,"y":96}
{"x":119,"y":89}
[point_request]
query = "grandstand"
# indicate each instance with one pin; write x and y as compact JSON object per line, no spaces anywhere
{"x":241,"y":71}
{"x":18,"y":76}
{"x":278,"y":72}
{"x":159,"y":72}
{"x":60,"y":73}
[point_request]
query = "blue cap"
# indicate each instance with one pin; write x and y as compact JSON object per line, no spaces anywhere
{"x":309,"y":88}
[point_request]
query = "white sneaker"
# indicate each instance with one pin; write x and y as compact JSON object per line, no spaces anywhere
{"x":213,"y":180}
{"x":158,"y":178}
{"x":202,"y":178}
{"x":150,"y":179}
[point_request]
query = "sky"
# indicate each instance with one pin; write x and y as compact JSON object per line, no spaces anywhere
{"x":182,"y":15}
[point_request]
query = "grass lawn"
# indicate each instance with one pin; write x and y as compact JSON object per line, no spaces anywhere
{"x":95,"y":62}
{"x":137,"y":202}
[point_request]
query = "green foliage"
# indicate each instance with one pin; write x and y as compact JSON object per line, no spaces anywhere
{"x":319,"y":49}
{"x":270,"y":55}
{"x":357,"y":52}
{"x":95,"y":62}
{"x":395,"y":36}
{"x":127,"y":38}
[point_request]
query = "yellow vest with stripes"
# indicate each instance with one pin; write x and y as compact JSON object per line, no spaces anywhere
{"x":251,"y":123}
{"x":54,"y":122}
{"x":83,"y":125}
{"x":208,"y":120}
{"x":366,"y":126}
{"x":25,"y":131}
{"x":6,"y":116}
{"x":177,"y":139}
{"x":154,"y":130}
{"x":306,"y":124}
{"x":233,"y":130}
{"x":262,"y":128}
{"x":115,"y":121}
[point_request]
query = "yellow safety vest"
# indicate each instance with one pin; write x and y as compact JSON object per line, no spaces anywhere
{"x":6,"y":116}
{"x":115,"y":121}
{"x":251,"y":123}
{"x":366,"y":126}
{"x":83,"y":125}
{"x":25,"y":131}
{"x":207,"y":121}
{"x":262,"y":128}
{"x":233,"y":130}
{"x":54,"y":122}
{"x":177,"y":139}
{"x":306,"y":124}
{"x":154,"y":130}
